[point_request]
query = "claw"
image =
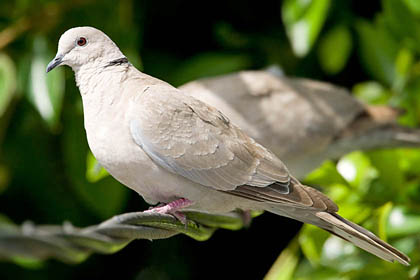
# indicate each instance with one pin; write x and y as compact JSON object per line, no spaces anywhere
{"x":173,"y":208}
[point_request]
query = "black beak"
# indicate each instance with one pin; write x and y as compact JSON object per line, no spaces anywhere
{"x":55,"y":62}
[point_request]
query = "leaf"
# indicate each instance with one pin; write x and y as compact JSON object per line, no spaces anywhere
{"x":303,"y":21}
{"x":378,"y":51}
{"x":390,"y":175}
{"x":7,"y":81}
{"x":306,"y":271}
{"x":334,"y":49}
{"x":357,"y":169}
{"x":372,"y":93}
{"x":94,"y":171}
{"x":413,"y":5}
{"x":409,"y":161}
{"x":403,"y":222}
{"x":325,"y":175}
{"x":5,"y":220}
{"x":46,"y":91}
{"x":4,"y":177}
{"x":402,"y":23}
{"x":29,"y":263}
{"x":285,"y":265}
{"x":384,"y":212}
{"x":311,"y":240}
{"x":340,"y":254}
{"x":403,"y":64}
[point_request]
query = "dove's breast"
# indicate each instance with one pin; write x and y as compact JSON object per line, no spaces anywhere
{"x":107,"y":112}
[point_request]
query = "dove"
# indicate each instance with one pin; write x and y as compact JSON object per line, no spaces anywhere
{"x":322,"y":121}
{"x":176,"y":150}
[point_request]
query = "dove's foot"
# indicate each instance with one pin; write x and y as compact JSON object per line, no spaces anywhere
{"x":246,"y":217}
{"x":173,"y":208}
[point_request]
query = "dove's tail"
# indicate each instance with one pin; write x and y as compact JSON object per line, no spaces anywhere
{"x":310,"y":206}
{"x":361,"y":237}
{"x":349,"y":231}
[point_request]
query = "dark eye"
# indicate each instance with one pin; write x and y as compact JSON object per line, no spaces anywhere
{"x":81,"y":41}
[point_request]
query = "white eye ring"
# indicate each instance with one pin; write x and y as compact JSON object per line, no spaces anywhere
{"x":81,"y":41}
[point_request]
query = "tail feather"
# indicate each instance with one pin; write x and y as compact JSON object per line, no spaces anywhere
{"x":361,"y":238}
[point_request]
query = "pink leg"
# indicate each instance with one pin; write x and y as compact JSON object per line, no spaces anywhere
{"x":173,"y":208}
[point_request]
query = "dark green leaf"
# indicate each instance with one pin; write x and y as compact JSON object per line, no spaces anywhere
{"x":7,"y":81}
{"x":378,"y":51}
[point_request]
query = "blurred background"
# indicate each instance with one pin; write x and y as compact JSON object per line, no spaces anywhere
{"x":48,"y":176}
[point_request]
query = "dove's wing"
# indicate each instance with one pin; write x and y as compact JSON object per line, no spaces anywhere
{"x":195,"y":140}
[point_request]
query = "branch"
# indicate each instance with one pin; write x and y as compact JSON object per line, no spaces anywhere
{"x":73,"y":245}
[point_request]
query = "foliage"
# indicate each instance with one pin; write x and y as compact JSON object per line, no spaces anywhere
{"x":47,"y":174}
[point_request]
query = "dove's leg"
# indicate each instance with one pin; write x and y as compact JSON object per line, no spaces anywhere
{"x":173,"y":208}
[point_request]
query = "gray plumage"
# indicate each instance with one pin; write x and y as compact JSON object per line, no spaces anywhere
{"x":167,"y":145}
{"x":304,"y":122}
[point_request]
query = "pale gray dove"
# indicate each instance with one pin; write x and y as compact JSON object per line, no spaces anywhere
{"x":174,"y":149}
{"x":304,"y":122}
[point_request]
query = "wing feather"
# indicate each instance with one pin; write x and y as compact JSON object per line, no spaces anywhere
{"x":195,"y":140}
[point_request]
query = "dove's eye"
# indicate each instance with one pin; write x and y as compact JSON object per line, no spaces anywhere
{"x":81,"y":41}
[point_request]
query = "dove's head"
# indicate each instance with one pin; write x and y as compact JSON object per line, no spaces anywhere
{"x":80,"y":46}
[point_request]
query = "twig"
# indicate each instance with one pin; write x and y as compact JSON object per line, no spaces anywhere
{"x":73,"y":245}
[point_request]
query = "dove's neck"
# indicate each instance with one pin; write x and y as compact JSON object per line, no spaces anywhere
{"x":101,"y":73}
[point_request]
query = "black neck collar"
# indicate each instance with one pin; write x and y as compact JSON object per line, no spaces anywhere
{"x":118,"y":61}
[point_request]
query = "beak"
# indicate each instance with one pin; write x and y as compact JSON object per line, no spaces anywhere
{"x":55,"y":62}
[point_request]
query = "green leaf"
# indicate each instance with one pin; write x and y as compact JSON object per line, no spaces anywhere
{"x":334,"y":49}
{"x":46,"y":91}
{"x":409,"y":161}
{"x":285,"y":265}
{"x":403,"y":64}
{"x":29,"y":263}
{"x":325,"y":175}
{"x":372,"y":93}
{"x":413,"y":5}
{"x":357,"y":169}
{"x":378,"y":51}
{"x":306,"y":271}
{"x":311,"y":240}
{"x":402,"y":23}
{"x":340,"y":254}
{"x":384,"y":212}
{"x":390,"y":175}
{"x":403,"y":222}
{"x":303,"y":21}
{"x":4,"y":177}
{"x":94,"y":171}
{"x":4,"y":219}
{"x":7,"y":81}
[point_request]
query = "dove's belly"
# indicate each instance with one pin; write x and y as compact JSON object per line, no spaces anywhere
{"x":117,"y":152}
